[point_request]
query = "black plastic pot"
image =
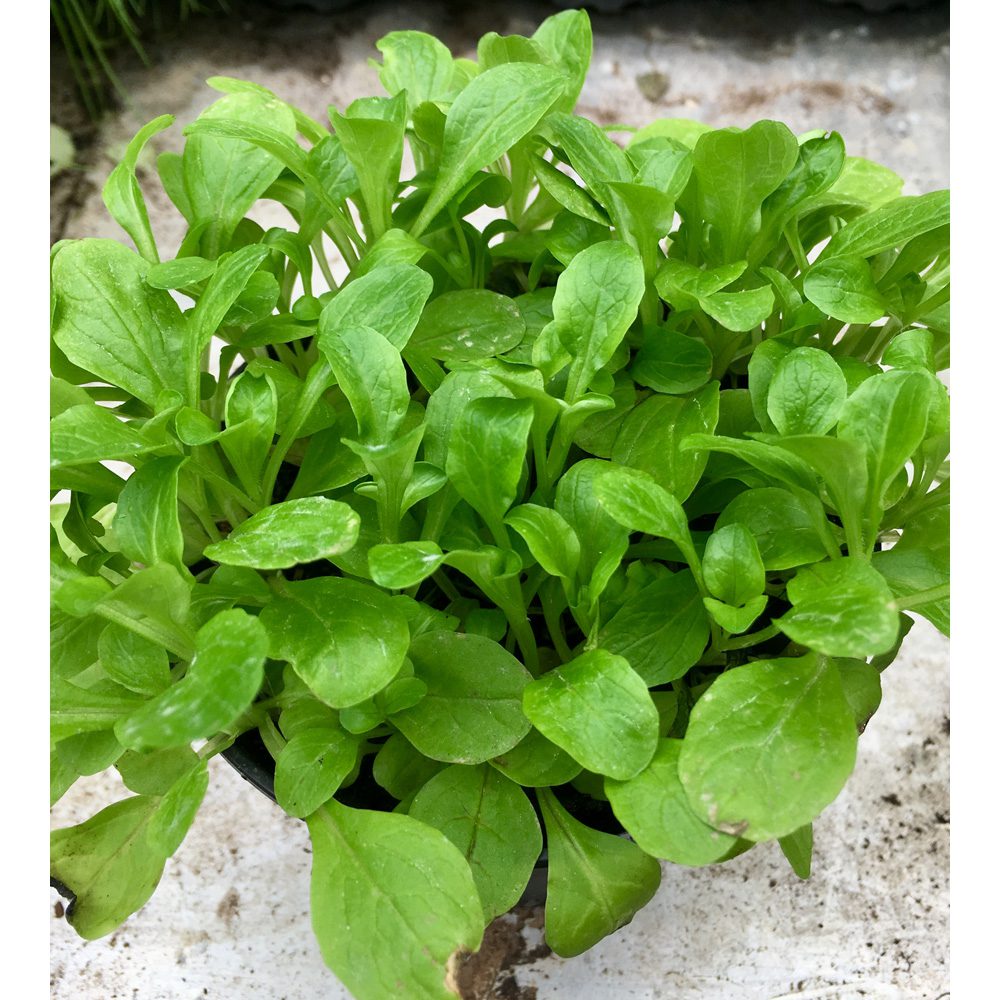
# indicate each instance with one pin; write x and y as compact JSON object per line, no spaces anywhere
{"x":249,"y":758}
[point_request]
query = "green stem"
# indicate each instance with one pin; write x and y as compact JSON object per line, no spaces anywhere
{"x":553,"y":622}
{"x":181,"y":646}
{"x":743,"y":641}
{"x":911,"y":601}
{"x":316,"y":383}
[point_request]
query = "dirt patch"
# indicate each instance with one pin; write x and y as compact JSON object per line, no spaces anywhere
{"x":511,"y":940}
{"x":229,"y":907}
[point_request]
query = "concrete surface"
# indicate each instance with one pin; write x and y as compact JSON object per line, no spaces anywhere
{"x":230,"y":919}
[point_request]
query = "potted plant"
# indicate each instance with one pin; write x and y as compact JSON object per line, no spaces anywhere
{"x":588,"y":526}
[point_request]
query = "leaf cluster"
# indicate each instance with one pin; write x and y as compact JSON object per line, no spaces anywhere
{"x":602,"y":515}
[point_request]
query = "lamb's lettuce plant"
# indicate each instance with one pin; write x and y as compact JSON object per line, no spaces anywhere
{"x":591,"y":494}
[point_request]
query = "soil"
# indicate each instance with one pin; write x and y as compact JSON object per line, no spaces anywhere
{"x":511,"y":940}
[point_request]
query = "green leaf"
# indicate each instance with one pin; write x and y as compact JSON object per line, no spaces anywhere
{"x":735,"y":620}
{"x":887,"y":413}
{"x":735,"y":171}
{"x":107,"y":864}
{"x":468,"y":325}
{"x":563,"y":189}
{"x":844,"y":288}
{"x":176,"y":810}
{"x":371,"y":132}
{"x":404,"y":564}
{"x":252,"y":413}
{"x":662,"y":630}
{"x":635,"y":501}
{"x":862,"y":684}
{"x":671,"y":362}
{"x":841,"y":608}
{"x":417,"y":63}
{"x":221,"y":683}
{"x":590,"y":151}
{"x":606,"y":540}
{"x":399,"y":887}
{"x":781,"y":525}
{"x":311,"y":767}
{"x":486,"y":454}
{"x":768,"y":747}
{"x":890,"y":226}
{"x":180,"y":273}
{"x":134,"y":662}
{"x":548,"y":537}
{"x":224,"y":176}
{"x":492,"y":112}
{"x":807,"y":392}
{"x":732,"y":565}
{"x":537,"y":762}
{"x":448,"y":401}
{"x":147,"y":523}
{"x":596,"y":300}
{"x":388,"y":299}
{"x":597,"y":882}
{"x":155,"y":772}
{"x":123,"y":196}
{"x":371,"y":374}
{"x":654,"y":809}
{"x":597,"y":708}
{"x":468,"y":715}
{"x":345,"y":639}
{"x":400,"y":769}
{"x":74,"y":710}
{"x":229,"y":280}
{"x":652,"y":438}
{"x":110,"y":322}
{"x":289,"y":533}
{"x":797,"y":847}
{"x":89,"y":433}
{"x":567,"y":40}
{"x":490,"y":820}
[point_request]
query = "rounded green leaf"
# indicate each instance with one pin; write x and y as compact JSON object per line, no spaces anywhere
{"x":768,"y":746}
{"x":472,"y":709}
{"x":221,"y":683}
{"x":662,"y":630}
{"x":537,"y":762}
{"x":392,"y":902}
{"x":672,"y":362}
{"x":345,"y":639}
{"x":807,"y":392}
{"x":597,"y":708}
{"x":844,"y":288}
{"x":133,"y":661}
{"x":311,"y":767}
{"x":403,"y":564}
{"x":732,"y":565}
{"x":780,"y":524}
{"x":289,"y":533}
{"x":638,"y":503}
{"x":841,"y":608}
{"x":653,"y":807}
{"x":468,"y":325}
{"x":490,"y":820}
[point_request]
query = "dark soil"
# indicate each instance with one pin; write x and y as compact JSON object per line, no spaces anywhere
{"x":491,"y":973}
